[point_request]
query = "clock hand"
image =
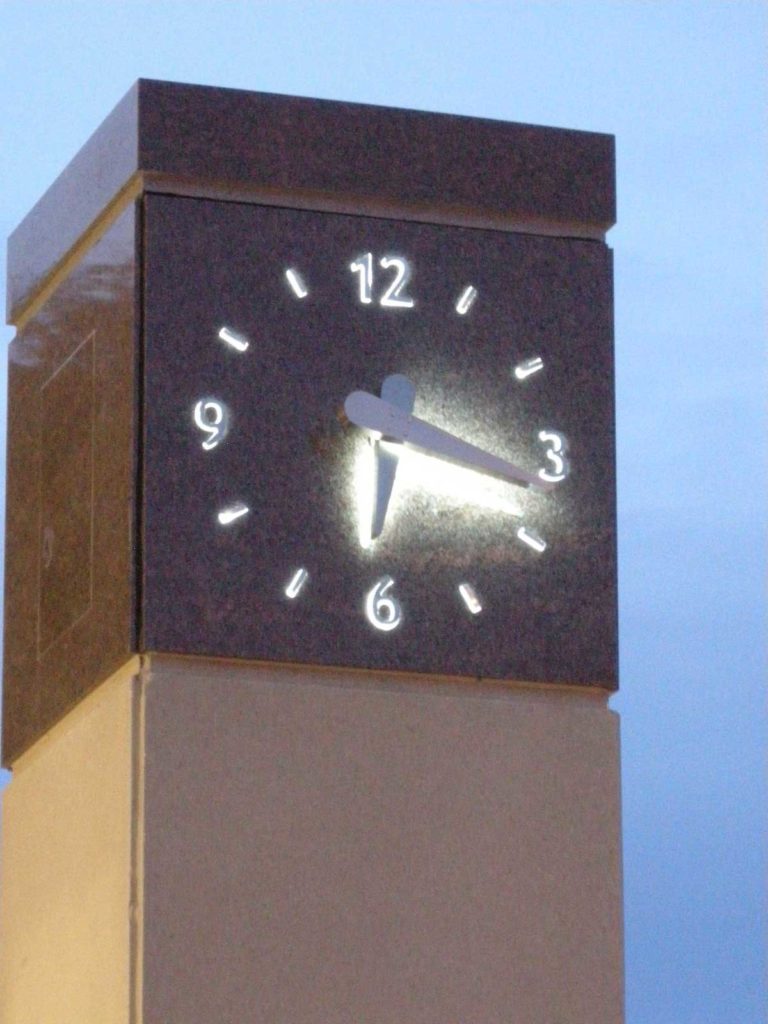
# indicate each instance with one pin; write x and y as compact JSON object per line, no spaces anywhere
{"x":372,"y":413}
{"x":400,"y":392}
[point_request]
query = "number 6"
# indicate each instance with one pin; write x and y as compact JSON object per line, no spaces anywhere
{"x":381,"y":609}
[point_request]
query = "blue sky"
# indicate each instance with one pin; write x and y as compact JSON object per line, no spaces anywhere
{"x":683,"y":87}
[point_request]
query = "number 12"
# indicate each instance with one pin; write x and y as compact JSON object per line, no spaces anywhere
{"x":393,"y":296}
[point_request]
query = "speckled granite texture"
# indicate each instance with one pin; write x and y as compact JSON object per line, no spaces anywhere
{"x":180,"y":216}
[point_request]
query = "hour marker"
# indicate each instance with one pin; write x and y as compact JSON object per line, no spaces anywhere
{"x":470,"y":598}
{"x":466,"y":299}
{"x":298,"y":580}
{"x":557,"y":454}
{"x":212,"y":418}
{"x":533,"y":540}
{"x":363,"y":267}
{"x":382,"y":609}
{"x":393,"y":292}
{"x":296,"y":282}
{"x":229,"y":515}
{"x":239,"y":344}
{"x":528,"y":367}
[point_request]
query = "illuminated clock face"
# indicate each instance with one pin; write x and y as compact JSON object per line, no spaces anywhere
{"x":377,"y":443}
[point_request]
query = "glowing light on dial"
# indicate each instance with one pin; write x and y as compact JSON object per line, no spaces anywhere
{"x":296,"y":584}
{"x":533,"y":540}
{"x":382,"y":609}
{"x":528,"y":367}
{"x":452,"y":486}
{"x":364,"y":477}
{"x":296,"y":282}
{"x":470,"y":598}
{"x":235,"y":342}
{"x":229,"y":515}
{"x":466,"y":300}
{"x":458,"y":485}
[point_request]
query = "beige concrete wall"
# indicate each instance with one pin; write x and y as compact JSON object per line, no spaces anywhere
{"x":346,"y":849}
{"x":65,"y":868}
{"x":210,"y":842}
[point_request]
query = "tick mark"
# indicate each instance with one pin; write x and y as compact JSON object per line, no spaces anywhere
{"x":528,"y":367}
{"x":470,"y":598}
{"x":298,"y":580}
{"x":296,"y":282}
{"x":239,"y":344}
{"x":533,"y":540}
{"x":229,"y":515}
{"x":466,"y":300}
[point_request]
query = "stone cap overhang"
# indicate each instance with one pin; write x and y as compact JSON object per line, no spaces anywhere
{"x":315,"y":154}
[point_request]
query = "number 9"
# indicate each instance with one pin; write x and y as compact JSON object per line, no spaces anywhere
{"x":213,"y":419}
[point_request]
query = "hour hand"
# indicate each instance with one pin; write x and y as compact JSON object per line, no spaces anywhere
{"x":400,"y":392}
{"x":377,"y":414}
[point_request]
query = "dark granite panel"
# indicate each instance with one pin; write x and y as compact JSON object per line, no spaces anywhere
{"x":74,"y":609}
{"x":220,"y":590}
{"x":406,"y":157}
{"x":69,"y":564}
{"x":66,"y":491}
{"x":432,"y":165}
{"x":81,"y":192}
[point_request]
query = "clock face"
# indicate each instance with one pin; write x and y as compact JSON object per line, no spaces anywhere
{"x":377,"y":443}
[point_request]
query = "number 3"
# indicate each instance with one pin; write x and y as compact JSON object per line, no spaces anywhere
{"x":557,"y":454}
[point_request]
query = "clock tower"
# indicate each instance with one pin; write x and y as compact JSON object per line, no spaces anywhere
{"x":311,"y":570}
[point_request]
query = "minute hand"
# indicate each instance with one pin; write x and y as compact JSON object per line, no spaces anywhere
{"x":372,"y":413}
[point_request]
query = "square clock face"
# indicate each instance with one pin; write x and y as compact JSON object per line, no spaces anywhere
{"x":377,"y":443}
